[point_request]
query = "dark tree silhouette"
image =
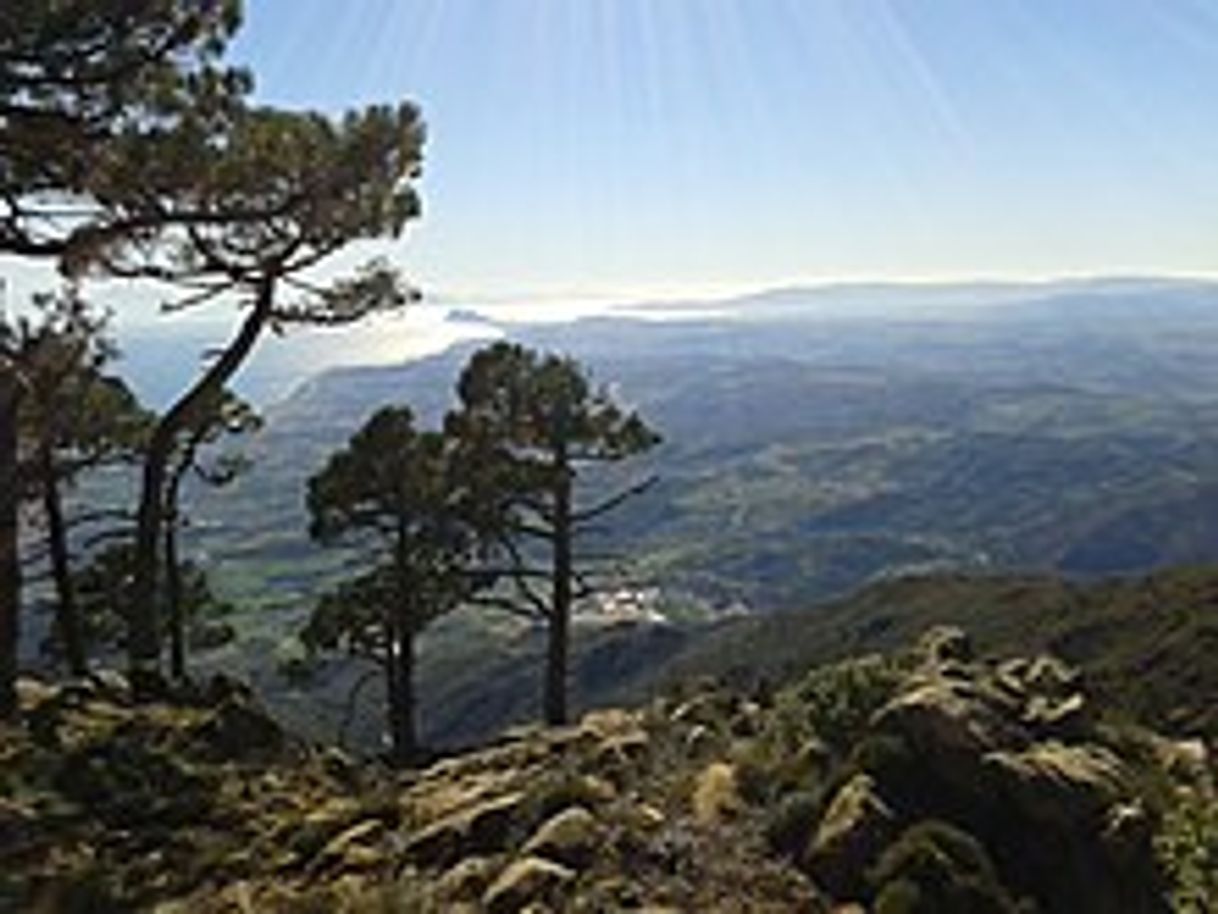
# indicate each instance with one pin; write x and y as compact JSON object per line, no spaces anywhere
{"x":393,"y":491}
{"x":332,"y":183}
{"x":129,"y":151}
{"x":95,"y":97}
{"x":10,"y":502}
{"x":225,"y":416}
{"x":72,"y":418}
{"x":528,"y":423}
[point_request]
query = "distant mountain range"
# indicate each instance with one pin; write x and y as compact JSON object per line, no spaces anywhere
{"x":816,"y":441}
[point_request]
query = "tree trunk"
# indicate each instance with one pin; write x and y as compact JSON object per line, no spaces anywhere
{"x":391,"y":679}
{"x":402,"y":704}
{"x":173,"y":590}
{"x":558,"y":646}
{"x":10,"y":559}
{"x":401,"y":655}
{"x":144,"y":635}
{"x":67,"y":616}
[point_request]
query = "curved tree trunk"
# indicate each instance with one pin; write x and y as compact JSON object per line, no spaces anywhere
{"x":10,"y":561}
{"x":67,"y":616}
{"x":144,"y":634}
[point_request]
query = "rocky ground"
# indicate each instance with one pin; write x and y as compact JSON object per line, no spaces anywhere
{"x":929,"y":780}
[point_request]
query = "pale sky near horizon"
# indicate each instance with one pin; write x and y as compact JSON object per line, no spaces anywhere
{"x":635,"y":147}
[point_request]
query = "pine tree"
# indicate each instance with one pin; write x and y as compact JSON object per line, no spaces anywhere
{"x":226,"y":416}
{"x":393,"y":492}
{"x":129,"y":150}
{"x":73,"y":418}
{"x":529,"y":424}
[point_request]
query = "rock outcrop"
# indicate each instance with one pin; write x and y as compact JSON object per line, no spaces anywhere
{"x":932,"y":780}
{"x":1008,"y":753}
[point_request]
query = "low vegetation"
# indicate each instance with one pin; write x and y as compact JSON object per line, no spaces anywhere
{"x":910,"y":781}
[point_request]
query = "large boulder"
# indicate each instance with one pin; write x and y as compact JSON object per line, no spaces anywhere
{"x":1056,"y":785}
{"x":240,"y":730}
{"x":952,"y":723}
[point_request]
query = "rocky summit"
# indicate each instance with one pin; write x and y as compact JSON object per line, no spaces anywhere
{"x":927,"y":780}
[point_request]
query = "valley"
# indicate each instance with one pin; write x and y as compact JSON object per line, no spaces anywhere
{"x":814,"y":443}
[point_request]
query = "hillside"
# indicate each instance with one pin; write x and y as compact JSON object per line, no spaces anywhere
{"x":1147,"y":644}
{"x":924,"y":780}
{"x":1160,"y":631}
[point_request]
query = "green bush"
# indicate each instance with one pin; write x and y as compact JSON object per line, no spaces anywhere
{"x":841,"y":699}
{"x":789,"y":826}
{"x":1187,"y":848}
{"x":935,"y":868}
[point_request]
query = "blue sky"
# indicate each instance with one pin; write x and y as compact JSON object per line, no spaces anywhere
{"x":668,"y":147}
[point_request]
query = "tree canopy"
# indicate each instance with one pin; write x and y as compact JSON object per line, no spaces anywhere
{"x":93,"y":92}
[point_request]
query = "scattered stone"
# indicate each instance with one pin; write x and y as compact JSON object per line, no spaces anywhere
{"x":467,"y":880}
{"x":569,"y":838}
{"x":1057,"y":718}
{"x":1128,"y":831}
{"x":340,"y":766}
{"x":483,"y":828}
{"x":112,"y":685}
{"x":716,"y":793}
{"x":649,"y":817}
{"x":699,"y":740}
{"x":1187,"y":759}
{"x":1050,"y":676}
{"x":33,"y":692}
{"x":525,"y":882}
{"x":352,"y":849}
{"x":705,"y":708}
{"x":622,"y":748}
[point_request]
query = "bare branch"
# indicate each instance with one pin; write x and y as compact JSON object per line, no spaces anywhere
{"x":604,"y":507}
